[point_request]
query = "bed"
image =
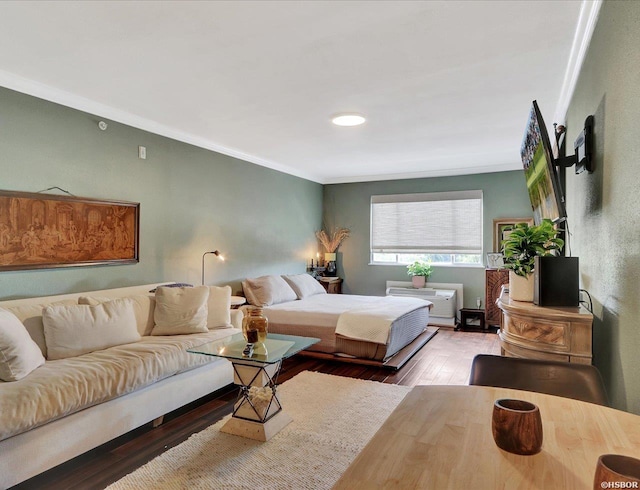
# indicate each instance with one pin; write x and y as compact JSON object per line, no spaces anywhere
{"x":376,"y":330}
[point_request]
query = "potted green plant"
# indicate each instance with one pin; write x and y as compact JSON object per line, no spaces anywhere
{"x":520,"y":248}
{"x":419,"y":271}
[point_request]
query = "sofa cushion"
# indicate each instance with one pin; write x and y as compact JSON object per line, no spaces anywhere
{"x":143,"y":307}
{"x":31,"y":318}
{"x":268,"y":290}
{"x":66,"y":386}
{"x":219,"y":307}
{"x":304,"y":285}
{"x":180,"y":310}
{"x":78,"y":329}
{"x":19,"y":354}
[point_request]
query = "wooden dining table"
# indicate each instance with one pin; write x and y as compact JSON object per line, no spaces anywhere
{"x":439,"y":437}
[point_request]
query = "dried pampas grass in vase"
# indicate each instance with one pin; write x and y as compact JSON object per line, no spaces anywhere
{"x":332,"y":240}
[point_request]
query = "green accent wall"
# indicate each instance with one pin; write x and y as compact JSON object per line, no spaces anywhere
{"x":604,"y":207}
{"x":192,"y":200}
{"x":348,"y":205}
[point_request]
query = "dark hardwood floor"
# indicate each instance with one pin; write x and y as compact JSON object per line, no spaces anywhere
{"x":445,"y":359}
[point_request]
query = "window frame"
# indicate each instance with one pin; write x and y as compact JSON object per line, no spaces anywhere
{"x":426,"y":197}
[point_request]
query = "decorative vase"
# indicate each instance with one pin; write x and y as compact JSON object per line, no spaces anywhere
{"x":418,"y":281}
{"x":623,"y":470}
{"x":520,"y":288}
{"x":517,"y":426}
{"x":255,"y":326}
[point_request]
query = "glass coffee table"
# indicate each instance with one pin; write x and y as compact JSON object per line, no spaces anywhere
{"x":257,"y":413}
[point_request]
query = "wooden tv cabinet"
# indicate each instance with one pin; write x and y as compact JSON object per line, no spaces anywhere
{"x":560,"y":333}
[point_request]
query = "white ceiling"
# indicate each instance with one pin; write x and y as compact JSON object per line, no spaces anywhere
{"x":446,"y":86}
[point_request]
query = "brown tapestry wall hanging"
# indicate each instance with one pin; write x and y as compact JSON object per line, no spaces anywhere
{"x":43,"y":231}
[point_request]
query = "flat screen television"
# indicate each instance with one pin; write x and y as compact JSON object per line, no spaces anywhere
{"x":543,"y":183}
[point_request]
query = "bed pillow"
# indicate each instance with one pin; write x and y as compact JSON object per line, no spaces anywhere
{"x":304,"y":285}
{"x":74,"y":330}
{"x":268,"y":290}
{"x":19,"y":354}
{"x":143,"y":307}
{"x":219,"y":307}
{"x":181,"y":311}
{"x":246,"y":290}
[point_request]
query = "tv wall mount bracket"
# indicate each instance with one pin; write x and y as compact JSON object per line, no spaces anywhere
{"x":583,"y":146}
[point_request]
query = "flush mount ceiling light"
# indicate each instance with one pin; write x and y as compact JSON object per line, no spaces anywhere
{"x":348,"y":119}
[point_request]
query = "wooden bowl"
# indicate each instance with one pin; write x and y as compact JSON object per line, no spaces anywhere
{"x":517,"y":426}
{"x":616,"y":468}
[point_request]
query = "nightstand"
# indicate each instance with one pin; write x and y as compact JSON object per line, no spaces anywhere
{"x":471,"y":318}
{"x":331,"y":287}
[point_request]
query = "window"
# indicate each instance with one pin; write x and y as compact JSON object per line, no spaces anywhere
{"x":440,"y":227}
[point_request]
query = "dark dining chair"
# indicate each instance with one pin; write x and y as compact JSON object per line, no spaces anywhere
{"x":577,"y":381}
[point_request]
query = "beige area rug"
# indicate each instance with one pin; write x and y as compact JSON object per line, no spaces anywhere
{"x":333,"y":419}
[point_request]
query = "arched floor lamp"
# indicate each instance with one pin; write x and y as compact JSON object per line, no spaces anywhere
{"x":217,"y":254}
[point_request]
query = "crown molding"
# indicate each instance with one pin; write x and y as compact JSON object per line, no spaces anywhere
{"x":443,"y":172}
{"x":589,"y":11}
{"x":52,"y":94}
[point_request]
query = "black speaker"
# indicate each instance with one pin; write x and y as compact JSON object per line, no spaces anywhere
{"x":556,"y":281}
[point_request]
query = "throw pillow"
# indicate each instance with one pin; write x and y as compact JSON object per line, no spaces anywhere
{"x":174,"y":285}
{"x":31,"y":317}
{"x":143,"y":306}
{"x":304,"y":285}
{"x":19,"y":354}
{"x":269,"y":290}
{"x":219,"y":307}
{"x":180,"y":310}
{"x":71,"y":331}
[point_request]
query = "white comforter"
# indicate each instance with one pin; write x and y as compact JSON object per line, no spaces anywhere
{"x":367,"y":317}
{"x":373,"y":322}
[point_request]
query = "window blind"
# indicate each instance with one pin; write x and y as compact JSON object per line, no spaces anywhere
{"x":435,"y":223}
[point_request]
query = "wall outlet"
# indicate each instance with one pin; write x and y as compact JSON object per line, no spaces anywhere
{"x":142,"y":152}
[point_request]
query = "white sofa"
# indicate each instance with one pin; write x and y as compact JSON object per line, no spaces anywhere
{"x":42,"y":444}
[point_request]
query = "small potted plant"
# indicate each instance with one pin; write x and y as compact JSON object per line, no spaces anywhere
{"x":419,"y":272}
{"x":520,"y":248}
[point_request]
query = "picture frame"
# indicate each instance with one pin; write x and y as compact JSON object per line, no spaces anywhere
{"x":501,"y":228}
{"x":495,"y":260}
{"x":47,"y":231}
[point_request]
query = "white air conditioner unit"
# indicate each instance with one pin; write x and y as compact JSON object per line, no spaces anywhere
{"x":446,"y":299}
